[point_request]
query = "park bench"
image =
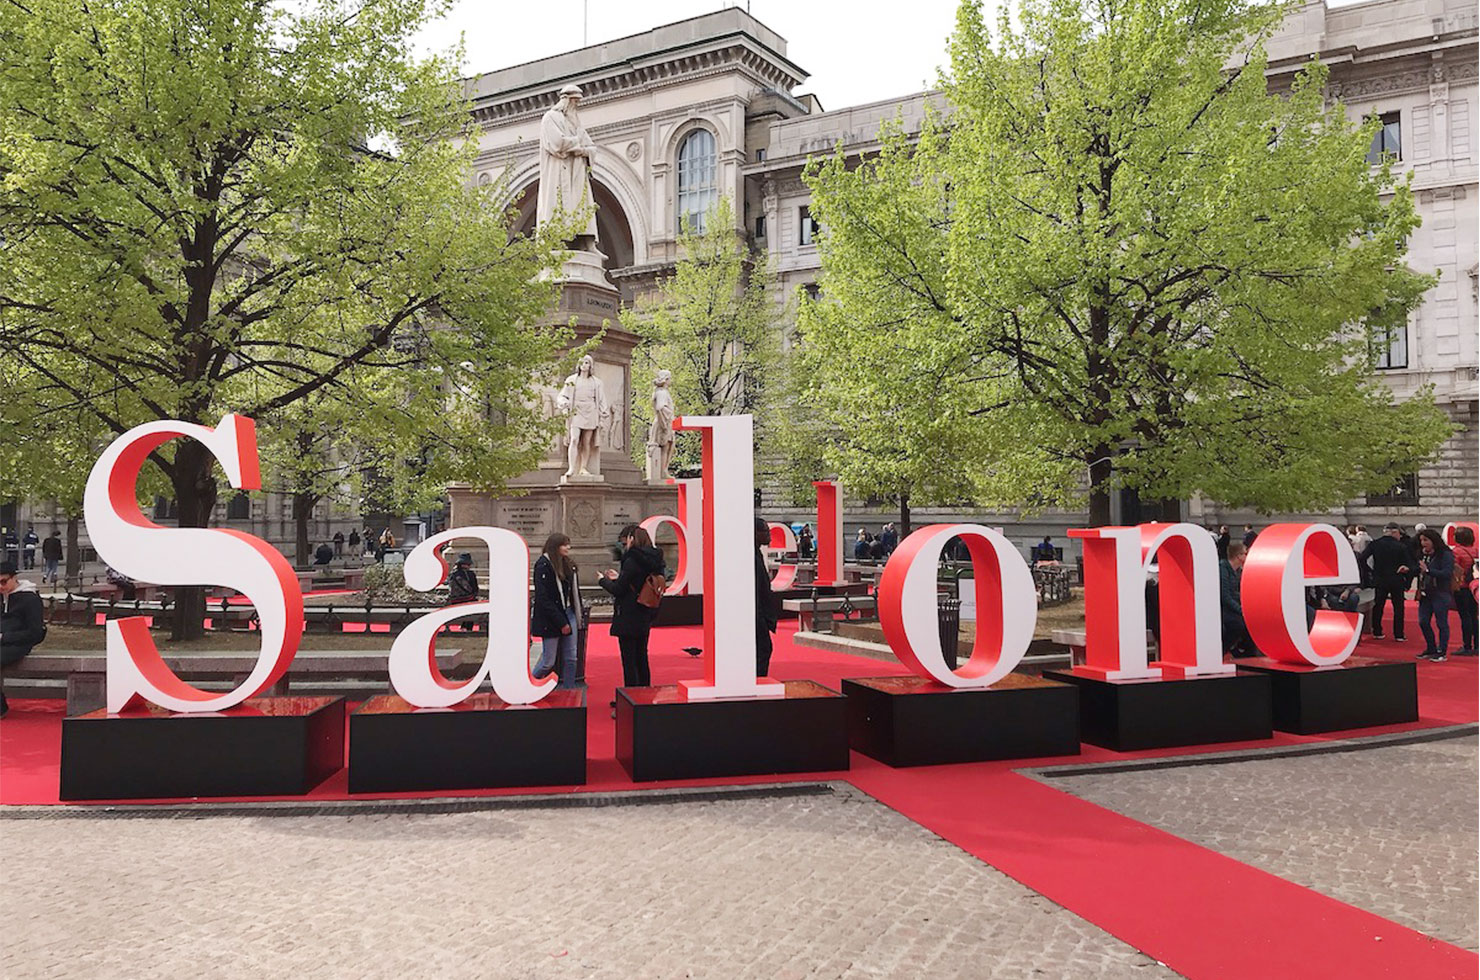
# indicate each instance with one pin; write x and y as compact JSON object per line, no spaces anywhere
{"x":84,"y":671}
{"x":823,"y":610}
{"x":1075,"y":641}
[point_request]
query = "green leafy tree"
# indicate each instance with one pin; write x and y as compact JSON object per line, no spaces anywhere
{"x":887,"y":389}
{"x":194,"y":223}
{"x":715,"y":325}
{"x":1152,"y":272}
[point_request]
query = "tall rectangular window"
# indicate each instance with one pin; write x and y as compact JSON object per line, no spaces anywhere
{"x":1392,"y":348}
{"x":760,"y":226}
{"x":698,"y":187}
{"x":809,"y":227}
{"x":1387,"y":141}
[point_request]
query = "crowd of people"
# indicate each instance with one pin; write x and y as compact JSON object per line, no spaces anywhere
{"x":1392,"y":564}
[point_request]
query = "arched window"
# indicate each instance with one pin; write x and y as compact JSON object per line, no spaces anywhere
{"x":697,"y":186}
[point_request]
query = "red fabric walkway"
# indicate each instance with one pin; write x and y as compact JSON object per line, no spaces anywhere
{"x":1201,"y":913}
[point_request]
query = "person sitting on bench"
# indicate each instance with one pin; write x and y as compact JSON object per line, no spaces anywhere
{"x":22,"y":621}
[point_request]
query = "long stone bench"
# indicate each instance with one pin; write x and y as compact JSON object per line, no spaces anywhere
{"x":808,"y":610}
{"x":85,"y":670}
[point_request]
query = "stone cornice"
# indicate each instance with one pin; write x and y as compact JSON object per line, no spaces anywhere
{"x":633,"y":78}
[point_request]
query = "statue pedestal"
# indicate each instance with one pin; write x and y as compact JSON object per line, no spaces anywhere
{"x":590,"y":509}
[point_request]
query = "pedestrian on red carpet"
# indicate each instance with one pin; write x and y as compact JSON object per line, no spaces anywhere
{"x":556,"y":614}
{"x":22,"y":620}
{"x":632,"y":622}
{"x":765,"y":601}
{"x":1464,"y":593}
{"x":1435,"y":593}
{"x":1391,"y":572}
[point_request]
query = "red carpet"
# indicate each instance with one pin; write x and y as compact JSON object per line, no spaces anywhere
{"x":1203,"y":914}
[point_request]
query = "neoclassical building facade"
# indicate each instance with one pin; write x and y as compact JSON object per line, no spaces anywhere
{"x":705,"y":107}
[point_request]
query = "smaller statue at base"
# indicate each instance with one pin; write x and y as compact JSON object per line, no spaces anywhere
{"x":584,"y":399}
{"x":660,"y":432}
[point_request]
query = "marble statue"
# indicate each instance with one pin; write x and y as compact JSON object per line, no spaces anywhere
{"x":660,"y":432}
{"x":584,"y":399}
{"x":565,"y":167}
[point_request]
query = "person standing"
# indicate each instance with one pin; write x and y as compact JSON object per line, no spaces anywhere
{"x":1435,"y":594}
{"x":632,"y":622}
{"x":1249,"y":535}
{"x":556,"y":613}
{"x":765,"y":601}
{"x":51,"y":553}
{"x":1464,"y":595}
{"x":1236,"y":640}
{"x":338,"y":544}
{"x":1220,"y":541}
{"x":22,"y":620}
{"x":354,"y":543}
{"x":1390,"y":574}
{"x":29,"y":543}
{"x":806,"y":544}
{"x":462,"y":586}
{"x":12,"y":545}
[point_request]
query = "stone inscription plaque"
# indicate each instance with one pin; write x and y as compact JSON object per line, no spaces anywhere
{"x":532,"y":520}
{"x":619,"y":513}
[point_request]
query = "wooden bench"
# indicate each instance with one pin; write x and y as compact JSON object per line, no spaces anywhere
{"x":808,"y":610}
{"x":85,"y":670}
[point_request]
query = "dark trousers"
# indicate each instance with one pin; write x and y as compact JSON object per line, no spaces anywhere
{"x":1464,"y":601}
{"x":763,"y":648}
{"x":635,"y":672}
{"x":1437,"y":607}
{"x":1388,"y":591}
{"x":1236,"y":640}
{"x":10,"y":653}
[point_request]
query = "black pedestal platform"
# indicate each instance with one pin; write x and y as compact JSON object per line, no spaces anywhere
{"x":912,"y":721}
{"x":1161,"y":713}
{"x":662,"y":736}
{"x":1359,"y":693}
{"x":482,"y":743}
{"x":262,"y":747}
{"x":680,"y":610}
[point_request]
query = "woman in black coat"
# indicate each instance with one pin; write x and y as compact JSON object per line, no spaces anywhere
{"x":632,"y":621}
{"x":556,"y":614}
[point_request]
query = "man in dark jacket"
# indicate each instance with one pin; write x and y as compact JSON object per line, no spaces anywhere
{"x":1392,"y":569}
{"x":462,"y":586}
{"x":51,"y":551}
{"x":22,"y":621}
{"x":765,"y":601}
{"x":1236,"y":639}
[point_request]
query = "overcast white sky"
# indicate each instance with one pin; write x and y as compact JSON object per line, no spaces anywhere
{"x":855,"y":52}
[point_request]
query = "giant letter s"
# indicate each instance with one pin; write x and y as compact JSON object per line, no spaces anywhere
{"x":141,"y":549}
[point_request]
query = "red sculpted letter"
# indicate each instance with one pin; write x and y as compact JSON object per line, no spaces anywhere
{"x":1283,"y":560}
{"x":908,"y":605}
{"x":829,"y":533}
{"x":141,"y":549}
{"x":1116,"y":561}
{"x":729,"y":562}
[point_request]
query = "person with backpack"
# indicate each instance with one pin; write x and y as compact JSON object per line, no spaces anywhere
{"x":1464,"y":593}
{"x":1435,"y":593}
{"x":556,"y":614}
{"x":632,"y":618}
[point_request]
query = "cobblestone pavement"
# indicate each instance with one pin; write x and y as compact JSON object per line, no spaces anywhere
{"x":829,"y":885}
{"x":1389,"y":830}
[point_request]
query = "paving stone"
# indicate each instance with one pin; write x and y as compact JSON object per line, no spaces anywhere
{"x":1390,"y":830}
{"x":834,"y":885}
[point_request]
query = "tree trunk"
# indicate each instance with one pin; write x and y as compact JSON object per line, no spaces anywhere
{"x":74,"y":551}
{"x":303,"y":504}
{"x":1101,"y":466}
{"x":195,"y":499}
{"x":904,"y":516}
